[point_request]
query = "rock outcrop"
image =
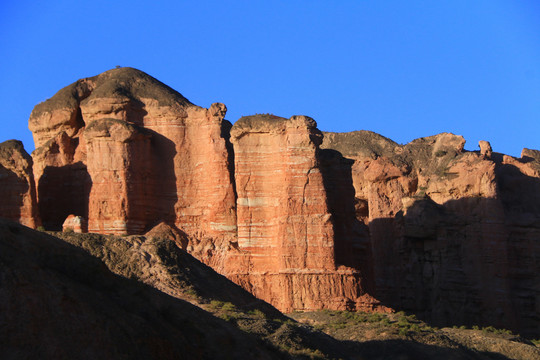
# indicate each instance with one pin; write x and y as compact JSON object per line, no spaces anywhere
{"x":446,"y":228}
{"x":132,"y":152}
{"x":357,"y":222}
{"x":285,"y":229}
{"x":76,"y":224}
{"x":17,"y":187}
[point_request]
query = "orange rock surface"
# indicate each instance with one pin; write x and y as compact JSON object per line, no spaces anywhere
{"x":285,"y":229}
{"x":132,"y":152}
{"x":17,"y":188}
{"x":357,"y":222}
{"x":76,"y":224}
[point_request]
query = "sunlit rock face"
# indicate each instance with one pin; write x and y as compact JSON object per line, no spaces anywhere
{"x":285,"y":228}
{"x":131,"y":152}
{"x":302,"y":219}
{"x":17,"y":187}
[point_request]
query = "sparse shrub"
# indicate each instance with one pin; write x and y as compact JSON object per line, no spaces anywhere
{"x":40,"y":228}
{"x":227,"y":317}
{"x":490,"y":329}
{"x":216,"y":304}
{"x":68,"y":230}
{"x":476,"y":327}
{"x":228,"y":307}
{"x":426,"y":328}
{"x":257,"y":313}
{"x":375,"y":317}
{"x":403,"y":321}
{"x":403,"y":332}
{"x":337,"y":326}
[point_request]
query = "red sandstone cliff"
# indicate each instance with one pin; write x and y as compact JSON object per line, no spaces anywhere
{"x":131,"y":152}
{"x":17,"y":188}
{"x":453,"y":233}
{"x":285,"y":228}
{"x":425,"y":227}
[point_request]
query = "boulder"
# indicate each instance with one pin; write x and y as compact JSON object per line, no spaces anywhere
{"x":76,"y":224}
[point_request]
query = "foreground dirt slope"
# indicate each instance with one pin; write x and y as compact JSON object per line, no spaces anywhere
{"x":59,"y":302}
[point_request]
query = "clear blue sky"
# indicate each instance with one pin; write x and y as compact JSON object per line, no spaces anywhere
{"x":404,"y":69}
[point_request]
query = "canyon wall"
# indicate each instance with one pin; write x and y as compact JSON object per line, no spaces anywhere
{"x":285,"y":229}
{"x":17,"y":188}
{"x":126,"y":152}
{"x":454,"y":234}
{"x":302,"y":219}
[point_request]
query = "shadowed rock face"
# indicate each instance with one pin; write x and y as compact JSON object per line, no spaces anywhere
{"x":17,"y":187}
{"x":454,"y":234}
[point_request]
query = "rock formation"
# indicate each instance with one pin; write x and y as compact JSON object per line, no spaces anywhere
{"x":485,"y":148}
{"x":75,"y":224}
{"x":447,"y":228}
{"x":132,"y":152}
{"x":285,"y":228}
{"x":357,"y":222}
{"x":17,"y":188}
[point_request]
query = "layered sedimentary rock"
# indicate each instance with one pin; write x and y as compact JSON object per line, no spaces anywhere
{"x":17,"y":188}
{"x":446,"y":228}
{"x":285,"y":229}
{"x":426,"y":227}
{"x":132,"y":152}
{"x":120,"y":168}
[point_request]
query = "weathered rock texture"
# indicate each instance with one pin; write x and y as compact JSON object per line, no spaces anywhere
{"x":454,"y":234}
{"x":76,"y":224}
{"x":426,"y":227}
{"x":17,"y":187}
{"x":285,"y":228}
{"x":57,"y":301}
{"x":126,"y":152}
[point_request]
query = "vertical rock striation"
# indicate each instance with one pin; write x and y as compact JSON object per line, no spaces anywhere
{"x":17,"y":188}
{"x":285,"y":229}
{"x":427,"y":227}
{"x":446,"y":228}
{"x":119,"y":164}
{"x":132,"y":152}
